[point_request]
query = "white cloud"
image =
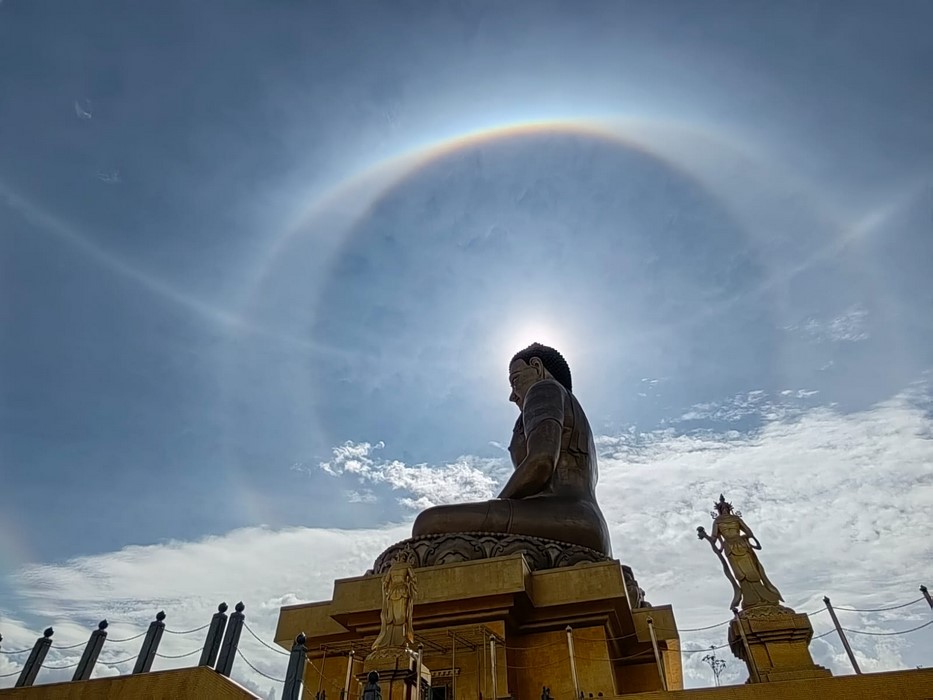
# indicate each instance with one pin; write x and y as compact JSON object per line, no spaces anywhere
{"x":800,"y":393}
{"x":110,"y":177}
{"x":749,"y":403}
{"x":465,"y":479}
{"x":364,"y":496}
{"x":83,"y":109}
{"x":264,"y":568}
{"x":842,"y":504}
{"x":848,"y":327}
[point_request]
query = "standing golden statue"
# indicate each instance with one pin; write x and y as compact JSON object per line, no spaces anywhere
{"x":398,"y":601}
{"x":734,"y":539}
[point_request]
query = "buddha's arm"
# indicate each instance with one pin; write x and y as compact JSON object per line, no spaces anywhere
{"x":532,"y":475}
{"x":543,"y":414}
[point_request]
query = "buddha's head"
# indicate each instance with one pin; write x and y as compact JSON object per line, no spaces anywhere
{"x":531,"y":365}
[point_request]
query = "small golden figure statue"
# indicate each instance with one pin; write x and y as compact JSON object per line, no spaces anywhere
{"x":398,"y":601}
{"x":734,"y":539}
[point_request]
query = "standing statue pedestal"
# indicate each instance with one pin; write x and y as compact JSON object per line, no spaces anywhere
{"x":397,"y":672}
{"x":779,"y":644}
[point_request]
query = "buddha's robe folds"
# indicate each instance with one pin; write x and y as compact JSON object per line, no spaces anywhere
{"x":563,"y":506}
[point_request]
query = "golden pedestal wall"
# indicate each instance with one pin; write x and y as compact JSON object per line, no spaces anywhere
{"x":779,"y":643}
{"x":198,"y":683}
{"x":466,"y":612}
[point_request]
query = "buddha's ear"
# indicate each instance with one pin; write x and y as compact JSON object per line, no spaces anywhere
{"x":539,"y":367}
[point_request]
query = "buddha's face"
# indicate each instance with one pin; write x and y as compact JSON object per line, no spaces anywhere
{"x":522,"y":375}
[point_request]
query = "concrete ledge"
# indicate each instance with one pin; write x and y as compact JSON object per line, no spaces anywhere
{"x":197,"y":683}
{"x":916,"y":684}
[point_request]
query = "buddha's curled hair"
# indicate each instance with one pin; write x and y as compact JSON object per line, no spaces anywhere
{"x":552,"y":360}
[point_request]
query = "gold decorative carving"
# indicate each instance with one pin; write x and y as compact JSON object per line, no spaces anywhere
{"x":399,"y":588}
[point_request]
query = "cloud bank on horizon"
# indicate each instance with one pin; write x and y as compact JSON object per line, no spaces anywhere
{"x":840,"y":502}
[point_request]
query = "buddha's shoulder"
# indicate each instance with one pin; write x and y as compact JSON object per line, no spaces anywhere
{"x":547,"y":388}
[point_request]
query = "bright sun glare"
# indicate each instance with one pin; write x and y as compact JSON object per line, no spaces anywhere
{"x":535,"y":332}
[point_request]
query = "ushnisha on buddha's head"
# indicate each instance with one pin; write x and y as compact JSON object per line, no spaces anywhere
{"x":531,"y":365}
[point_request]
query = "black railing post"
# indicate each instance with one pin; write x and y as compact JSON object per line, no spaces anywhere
{"x":150,"y":644}
{"x":372,"y":691}
{"x":842,"y":635}
{"x":28,"y":675}
{"x":926,"y":594}
{"x":215,"y":634}
{"x":231,"y":640}
{"x":296,"y":669}
{"x":91,"y":652}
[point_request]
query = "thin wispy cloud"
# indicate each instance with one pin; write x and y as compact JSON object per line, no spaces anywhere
{"x":851,"y":326}
{"x":83,"y":109}
{"x":756,"y":403}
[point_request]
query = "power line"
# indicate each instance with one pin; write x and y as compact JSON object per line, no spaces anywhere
{"x":697,"y":651}
{"x":870,"y":610}
{"x":196,"y":629}
{"x":70,"y":646}
{"x":117,"y":663}
{"x":708,"y":627}
{"x":890,"y":634}
{"x":639,"y":655}
{"x":264,"y":675}
{"x":555,"y":643}
{"x":178,"y":656}
{"x":128,"y":639}
{"x":267,"y":646}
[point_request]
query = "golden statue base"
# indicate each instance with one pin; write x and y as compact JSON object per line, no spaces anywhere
{"x":397,"y":669}
{"x":779,"y":641}
{"x":495,"y":628}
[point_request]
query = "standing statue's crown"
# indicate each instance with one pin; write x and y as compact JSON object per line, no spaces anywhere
{"x":406,"y":556}
{"x":723,"y":507}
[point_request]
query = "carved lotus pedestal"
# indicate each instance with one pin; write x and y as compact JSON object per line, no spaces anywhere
{"x":539,"y":553}
{"x":779,"y":641}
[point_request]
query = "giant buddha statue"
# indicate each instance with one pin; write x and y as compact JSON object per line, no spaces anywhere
{"x":547,"y":509}
{"x":552,"y":492}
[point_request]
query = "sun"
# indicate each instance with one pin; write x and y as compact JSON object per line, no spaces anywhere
{"x":535,"y":332}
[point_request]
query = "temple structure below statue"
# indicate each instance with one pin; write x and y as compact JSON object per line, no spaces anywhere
{"x":493,"y":628}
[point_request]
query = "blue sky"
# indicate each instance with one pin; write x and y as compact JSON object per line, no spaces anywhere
{"x":239,"y":240}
